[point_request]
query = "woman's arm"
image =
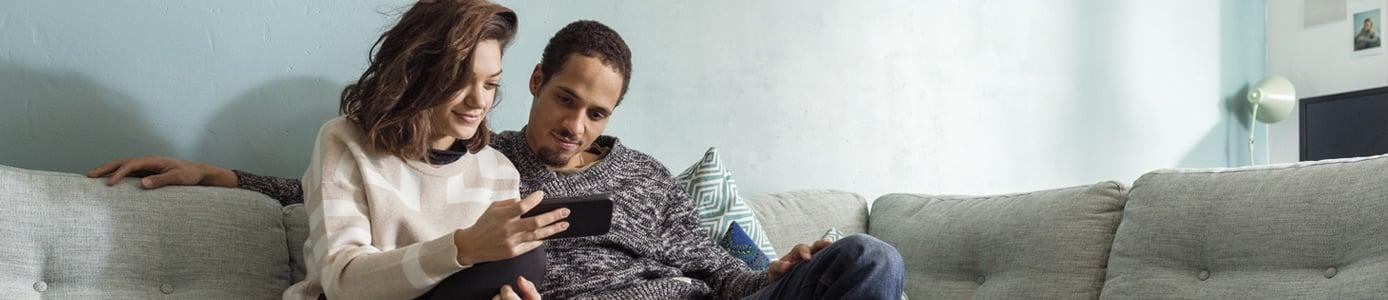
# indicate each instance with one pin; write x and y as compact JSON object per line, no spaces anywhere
{"x":340,"y":254}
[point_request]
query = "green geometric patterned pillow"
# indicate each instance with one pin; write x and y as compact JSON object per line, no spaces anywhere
{"x":711,"y":186}
{"x":832,"y":235}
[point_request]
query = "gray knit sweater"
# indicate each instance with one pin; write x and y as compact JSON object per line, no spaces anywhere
{"x":656,"y":249}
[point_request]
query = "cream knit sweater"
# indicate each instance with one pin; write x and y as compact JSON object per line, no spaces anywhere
{"x":382,"y":227}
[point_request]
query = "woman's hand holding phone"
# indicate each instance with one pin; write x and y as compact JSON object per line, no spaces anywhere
{"x":501,"y":233}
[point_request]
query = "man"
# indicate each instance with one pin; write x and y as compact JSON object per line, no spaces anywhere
{"x":655,"y":249}
{"x":1367,"y":37}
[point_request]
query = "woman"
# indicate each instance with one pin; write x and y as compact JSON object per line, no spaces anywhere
{"x":402,"y":190}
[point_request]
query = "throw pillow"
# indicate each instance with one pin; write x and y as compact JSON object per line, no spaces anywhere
{"x":710,"y":185}
{"x":743,"y":248}
{"x":833,"y":235}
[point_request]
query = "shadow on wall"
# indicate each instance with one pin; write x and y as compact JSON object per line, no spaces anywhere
{"x":270,"y":129}
{"x":65,"y":121}
{"x":1227,"y":137}
{"x":1094,"y":113}
{"x":1240,"y":65}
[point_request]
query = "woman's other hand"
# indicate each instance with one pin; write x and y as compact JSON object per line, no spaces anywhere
{"x":527,"y":291}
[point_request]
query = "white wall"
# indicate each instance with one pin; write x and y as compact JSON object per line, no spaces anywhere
{"x":1318,"y":61}
{"x":928,"y":96}
{"x":865,"y":96}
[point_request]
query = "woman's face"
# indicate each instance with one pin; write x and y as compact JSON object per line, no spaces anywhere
{"x":459,"y":117}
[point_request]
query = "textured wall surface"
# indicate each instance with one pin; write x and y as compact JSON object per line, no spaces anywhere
{"x":864,"y":96}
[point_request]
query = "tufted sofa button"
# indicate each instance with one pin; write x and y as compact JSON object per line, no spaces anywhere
{"x":1203,"y":275}
{"x":1330,"y":272}
{"x":166,"y":288}
{"x":979,"y":279}
{"x":40,"y":286}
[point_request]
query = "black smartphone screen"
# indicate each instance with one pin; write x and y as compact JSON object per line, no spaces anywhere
{"x":588,"y":215}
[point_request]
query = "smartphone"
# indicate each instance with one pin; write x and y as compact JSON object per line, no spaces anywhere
{"x":588,"y":215}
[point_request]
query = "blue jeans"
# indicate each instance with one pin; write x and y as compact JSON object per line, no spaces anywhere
{"x":856,"y":267}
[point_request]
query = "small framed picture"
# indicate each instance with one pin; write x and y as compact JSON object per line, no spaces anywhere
{"x":1366,"y":20}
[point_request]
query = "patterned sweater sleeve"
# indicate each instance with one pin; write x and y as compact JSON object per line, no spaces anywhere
{"x":697,"y":256}
{"x":340,"y":253}
{"x":287,"y":190}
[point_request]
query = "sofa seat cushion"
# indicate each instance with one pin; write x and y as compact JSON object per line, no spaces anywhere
{"x":1315,"y":230}
{"x":66,"y":236}
{"x":1049,"y":244}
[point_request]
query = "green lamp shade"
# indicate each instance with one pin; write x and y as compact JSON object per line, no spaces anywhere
{"x":1274,"y":98}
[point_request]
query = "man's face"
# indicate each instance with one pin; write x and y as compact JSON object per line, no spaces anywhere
{"x":571,"y":109}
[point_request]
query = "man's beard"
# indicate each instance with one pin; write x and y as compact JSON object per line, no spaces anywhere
{"x":552,"y":157}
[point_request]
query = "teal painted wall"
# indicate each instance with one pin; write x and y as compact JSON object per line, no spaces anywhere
{"x":864,"y":96}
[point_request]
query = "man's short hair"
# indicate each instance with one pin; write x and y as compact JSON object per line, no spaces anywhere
{"x":588,"y":38}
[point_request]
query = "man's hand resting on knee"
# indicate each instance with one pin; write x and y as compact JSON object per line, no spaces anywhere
{"x":800,"y":253}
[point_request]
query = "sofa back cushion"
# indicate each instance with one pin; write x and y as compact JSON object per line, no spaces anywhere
{"x":1314,"y":230}
{"x":1040,"y":245}
{"x":66,"y":236}
{"x":796,"y":217}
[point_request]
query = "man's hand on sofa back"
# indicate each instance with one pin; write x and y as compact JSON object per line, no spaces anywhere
{"x":166,"y":171}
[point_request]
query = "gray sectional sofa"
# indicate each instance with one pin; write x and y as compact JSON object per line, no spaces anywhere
{"x":1314,"y":230}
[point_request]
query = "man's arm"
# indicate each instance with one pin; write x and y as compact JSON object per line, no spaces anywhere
{"x":690,"y":249}
{"x":287,"y":190}
{"x":166,"y":171}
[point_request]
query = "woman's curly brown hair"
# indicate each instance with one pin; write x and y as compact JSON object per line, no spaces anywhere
{"x":418,"y":65}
